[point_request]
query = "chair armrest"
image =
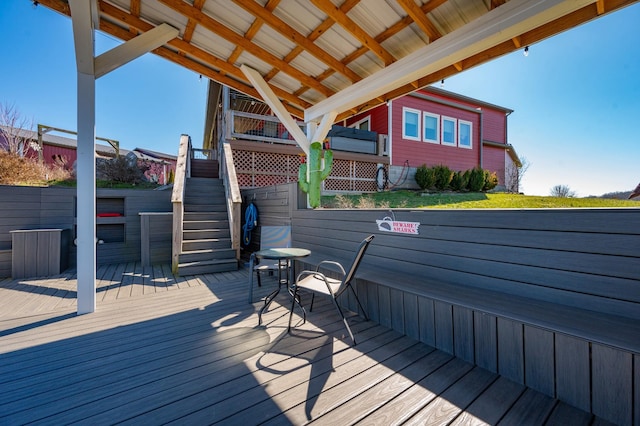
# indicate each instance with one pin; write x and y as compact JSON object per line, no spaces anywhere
{"x":331,"y":262}
{"x":318,"y":276}
{"x":305,"y":273}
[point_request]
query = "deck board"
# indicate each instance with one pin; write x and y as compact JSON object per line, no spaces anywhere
{"x":187,"y":350}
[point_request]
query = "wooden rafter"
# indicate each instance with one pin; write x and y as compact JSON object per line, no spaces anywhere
{"x":127,"y":19}
{"x":220,"y":29}
{"x":252,"y":31}
{"x":420,"y":18}
{"x":182,"y":46}
{"x":134,"y":9}
{"x":191,"y":23}
{"x":296,"y":37}
{"x":380,"y":38}
{"x":204,"y":70}
{"x":496,"y":3}
{"x":348,"y":24}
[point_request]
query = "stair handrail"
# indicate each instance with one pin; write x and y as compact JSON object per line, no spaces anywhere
{"x":183,"y":171}
{"x":232,"y":194}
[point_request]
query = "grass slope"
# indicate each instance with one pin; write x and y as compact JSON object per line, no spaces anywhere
{"x":474,"y":200}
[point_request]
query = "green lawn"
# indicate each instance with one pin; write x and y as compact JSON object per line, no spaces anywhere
{"x":475,"y":200}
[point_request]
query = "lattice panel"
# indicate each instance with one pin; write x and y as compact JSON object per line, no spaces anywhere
{"x":256,"y":169}
{"x":243,"y":160}
{"x":341,"y":168}
{"x":337,"y":184}
{"x":267,"y":162}
{"x":365,"y":170}
{"x":244,"y":181}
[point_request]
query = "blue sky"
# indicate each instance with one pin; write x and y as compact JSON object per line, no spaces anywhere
{"x":576,"y":97}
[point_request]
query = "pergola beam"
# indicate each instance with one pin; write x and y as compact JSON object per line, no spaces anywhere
{"x":134,"y":48}
{"x":276,"y":106}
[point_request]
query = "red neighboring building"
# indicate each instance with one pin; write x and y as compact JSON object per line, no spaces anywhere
{"x":432,"y":126}
{"x":62,"y":151}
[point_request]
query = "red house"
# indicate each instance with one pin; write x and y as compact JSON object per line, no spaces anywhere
{"x":379,"y":148}
{"x":433,"y":126}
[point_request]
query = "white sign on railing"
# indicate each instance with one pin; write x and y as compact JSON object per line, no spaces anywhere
{"x":388,"y":224}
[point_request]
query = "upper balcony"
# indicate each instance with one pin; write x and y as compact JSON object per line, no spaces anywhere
{"x":269,"y":129}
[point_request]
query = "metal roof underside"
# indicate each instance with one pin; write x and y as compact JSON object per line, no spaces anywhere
{"x":345,"y":56}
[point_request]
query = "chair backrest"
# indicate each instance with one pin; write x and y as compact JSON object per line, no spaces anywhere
{"x":354,"y":265}
{"x":275,"y":237}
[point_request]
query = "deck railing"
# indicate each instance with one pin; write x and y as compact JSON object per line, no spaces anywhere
{"x":177,"y":198}
{"x":232,"y":193}
{"x":265,"y":128}
{"x":203,"y":154}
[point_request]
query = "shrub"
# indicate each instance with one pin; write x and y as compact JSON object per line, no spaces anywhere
{"x":123,"y":169}
{"x":443,"y":175}
{"x":16,"y":170}
{"x":459,"y":181}
{"x":425,"y":177}
{"x":476,"y":179}
{"x":490,"y":180}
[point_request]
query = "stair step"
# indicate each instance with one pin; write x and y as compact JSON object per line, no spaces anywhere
{"x":206,"y":267}
{"x":204,"y":244}
{"x":205,"y":207}
{"x":204,"y":216}
{"x":204,"y":180}
{"x":204,"y":189}
{"x":192,"y":225}
{"x":204,"y":168}
{"x":209,"y":254}
{"x":205,"y":234}
{"x":217,"y":198}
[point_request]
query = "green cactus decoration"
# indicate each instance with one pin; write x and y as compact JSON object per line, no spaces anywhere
{"x":316,"y":173}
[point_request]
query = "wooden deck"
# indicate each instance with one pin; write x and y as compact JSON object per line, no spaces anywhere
{"x":187,"y":350}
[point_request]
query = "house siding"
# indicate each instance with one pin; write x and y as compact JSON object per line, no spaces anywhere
{"x":494,"y":126}
{"x":494,"y":161}
{"x":379,"y":122}
{"x":418,"y":153}
{"x":49,"y":152}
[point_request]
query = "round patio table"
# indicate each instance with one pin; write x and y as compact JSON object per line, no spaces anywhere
{"x":285,"y":254}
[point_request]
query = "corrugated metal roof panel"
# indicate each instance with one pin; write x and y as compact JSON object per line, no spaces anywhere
{"x":386,"y":21}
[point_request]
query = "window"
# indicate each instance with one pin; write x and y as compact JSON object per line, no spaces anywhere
{"x":431,"y":125}
{"x":464,"y":134}
{"x":448,"y":131}
{"x":411,"y":124}
{"x":363,"y":124}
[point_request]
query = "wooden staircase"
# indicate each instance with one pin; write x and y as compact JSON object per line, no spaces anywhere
{"x":206,"y":239}
{"x":204,"y":168}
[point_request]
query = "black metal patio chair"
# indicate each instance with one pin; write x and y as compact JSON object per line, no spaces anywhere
{"x":317,"y":282}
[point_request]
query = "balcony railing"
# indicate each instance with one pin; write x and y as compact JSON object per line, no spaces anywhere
{"x":265,"y":128}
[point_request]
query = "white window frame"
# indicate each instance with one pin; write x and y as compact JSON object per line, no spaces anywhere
{"x":455,"y":131}
{"x":418,"y":113}
{"x":424,"y":127}
{"x":470,"y":124}
{"x":357,"y":124}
